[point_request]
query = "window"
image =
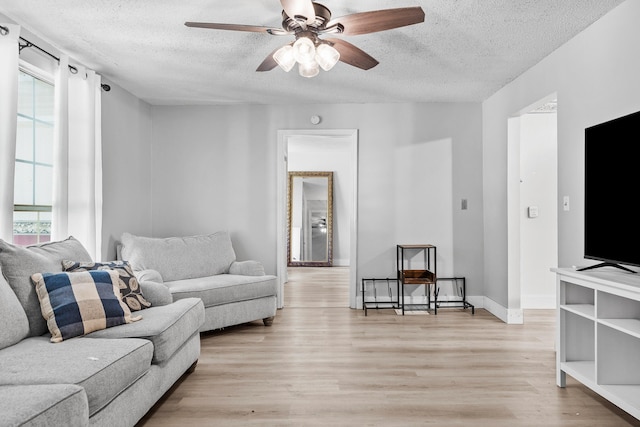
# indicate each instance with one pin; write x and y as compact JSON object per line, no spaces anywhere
{"x":33,"y":190}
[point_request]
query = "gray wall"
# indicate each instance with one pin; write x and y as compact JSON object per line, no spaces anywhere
{"x":596,"y":78}
{"x":126,"y":164}
{"x":214,"y":168}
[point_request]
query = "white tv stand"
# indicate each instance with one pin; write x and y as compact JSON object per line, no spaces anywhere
{"x":598,"y":333}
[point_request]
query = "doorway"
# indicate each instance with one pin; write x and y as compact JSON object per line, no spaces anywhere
{"x":533,"y":208}
{"x":317,"y":287}
{"x":305,"y":147}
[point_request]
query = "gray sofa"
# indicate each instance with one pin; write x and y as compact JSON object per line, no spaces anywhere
{"x":205,"y":267}
{"x":110,"y":377}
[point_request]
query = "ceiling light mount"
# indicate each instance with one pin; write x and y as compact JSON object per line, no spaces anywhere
{"x":298,"y":23}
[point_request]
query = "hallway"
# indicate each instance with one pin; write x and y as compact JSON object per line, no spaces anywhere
{"x":317,"y":287}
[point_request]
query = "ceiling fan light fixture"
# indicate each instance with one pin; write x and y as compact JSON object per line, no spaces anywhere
{"x":308,"y":20}
{"x":304,"y":50}
{"x":327,"y":56}
{"x":284,"y":58}
{"x":308,"y":69}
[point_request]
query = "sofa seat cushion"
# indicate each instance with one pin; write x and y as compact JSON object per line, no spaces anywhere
{"x":167,"y":327}
{"x":224,"y":288}
{"x":44,"y":405}
{"x":104,"y":368}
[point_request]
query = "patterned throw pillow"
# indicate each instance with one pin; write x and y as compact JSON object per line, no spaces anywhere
{"x":128,"y":284}
{"x":74,"y":304}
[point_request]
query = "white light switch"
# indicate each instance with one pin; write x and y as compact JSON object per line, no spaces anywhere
{"x":565,"y":203}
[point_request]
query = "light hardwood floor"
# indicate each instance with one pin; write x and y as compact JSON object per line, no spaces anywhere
{"x":322,"y":364}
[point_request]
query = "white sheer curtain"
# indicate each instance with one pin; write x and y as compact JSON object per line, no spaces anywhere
{"x":77,"y":182}
{"x":8,"y":123}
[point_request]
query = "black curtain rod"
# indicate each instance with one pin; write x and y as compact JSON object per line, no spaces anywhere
{"x":4,"y":31}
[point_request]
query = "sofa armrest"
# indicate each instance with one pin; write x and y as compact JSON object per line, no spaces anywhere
{"x":148,"y":276}
{"x":247,"y":268}
{"x":153,"y":287}
{"x":156,"y":293}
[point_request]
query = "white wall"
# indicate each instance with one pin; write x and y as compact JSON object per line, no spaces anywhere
{"x":596,"y":78}
{"x":314,"y":153}
{"x":126,"y":163}
{"x":215,"y":168}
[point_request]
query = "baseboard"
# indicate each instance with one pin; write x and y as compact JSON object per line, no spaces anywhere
{"x":511,"y":316}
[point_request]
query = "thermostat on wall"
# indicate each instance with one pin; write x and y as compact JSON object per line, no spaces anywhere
{"x":532,"y":211}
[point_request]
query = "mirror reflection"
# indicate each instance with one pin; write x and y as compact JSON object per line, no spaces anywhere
{"x":310,"y":206}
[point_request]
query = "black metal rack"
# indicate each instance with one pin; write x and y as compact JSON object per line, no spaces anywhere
{"x":375,"y":303}
{"x":407,"y":276}
{"x":462,"y":294}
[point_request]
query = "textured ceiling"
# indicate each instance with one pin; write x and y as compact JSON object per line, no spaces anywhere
{"x":464,"y":51}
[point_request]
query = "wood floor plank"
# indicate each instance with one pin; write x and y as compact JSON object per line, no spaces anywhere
{"x":324,"y":364}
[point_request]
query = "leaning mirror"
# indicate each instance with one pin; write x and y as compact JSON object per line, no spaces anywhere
{"x":310,"y":219}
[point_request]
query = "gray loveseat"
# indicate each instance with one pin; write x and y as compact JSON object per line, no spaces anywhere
{"x":205,"y":267}
{"x":110,"y":377}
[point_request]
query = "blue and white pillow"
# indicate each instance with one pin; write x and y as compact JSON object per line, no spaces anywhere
{"x":127,"y":283}
{"x":75,"y":304}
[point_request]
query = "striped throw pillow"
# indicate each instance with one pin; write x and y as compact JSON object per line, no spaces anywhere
{"x":75,"y":304}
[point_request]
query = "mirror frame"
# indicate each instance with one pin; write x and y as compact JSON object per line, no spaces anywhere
{"x":299,"y":174}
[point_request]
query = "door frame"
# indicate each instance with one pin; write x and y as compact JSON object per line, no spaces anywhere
{"x":515,"y":312}
{"x":282,"y":154}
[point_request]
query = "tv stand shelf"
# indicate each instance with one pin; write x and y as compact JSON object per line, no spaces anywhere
{"x":598,"y":333}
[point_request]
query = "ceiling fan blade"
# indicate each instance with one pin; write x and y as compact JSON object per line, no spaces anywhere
{"x":295,"y":8}
{"x":379,"y":20}
{"x":269,"y":63}
{"x":237,"y":27}
{"x":349,"y":54}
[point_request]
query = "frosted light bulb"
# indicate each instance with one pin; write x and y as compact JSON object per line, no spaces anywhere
{"x":284,"y":58}
{"x":308,"y":69}
{"x":304,"y":50}
{"x":327,"y":56}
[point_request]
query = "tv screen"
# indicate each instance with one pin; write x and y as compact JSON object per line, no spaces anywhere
{"x":612,"y":184}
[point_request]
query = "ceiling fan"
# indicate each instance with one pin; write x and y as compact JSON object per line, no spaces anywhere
{"x":307,"y":21}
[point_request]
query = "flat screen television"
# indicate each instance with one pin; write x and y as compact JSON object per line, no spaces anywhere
{"x":612,"y":186}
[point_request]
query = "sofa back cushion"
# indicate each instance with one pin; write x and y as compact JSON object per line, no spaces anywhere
{"x":19,"y":263}
{"x":15,"y":326}
{"x":177,"y":258}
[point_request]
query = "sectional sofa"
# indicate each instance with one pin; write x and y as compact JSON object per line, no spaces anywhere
{"x":59,"y":370}
{"x":109,"y":377}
